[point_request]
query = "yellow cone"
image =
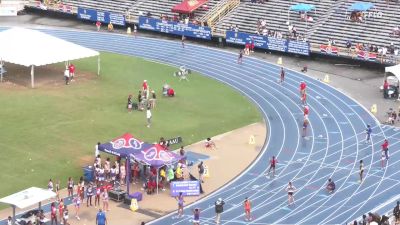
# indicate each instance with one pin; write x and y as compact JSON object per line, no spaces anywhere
{"x":134,"y":205}
{"x":374,"y":109}
{"x":279,"y":61}
{"x":252,"y":140}
{"x":326,"y":78}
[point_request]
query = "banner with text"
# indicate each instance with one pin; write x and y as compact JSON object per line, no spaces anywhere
{"x":368,"y":56}
{"x":170,"y":27}
{"x":104,"y":17}
{"x":188,"y":188}
{"x":270,"y":43}
{"x":329,"y":50}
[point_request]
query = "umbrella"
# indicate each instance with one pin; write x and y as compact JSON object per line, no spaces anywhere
{"x":361,"y":6}
{"x":301,"y":7}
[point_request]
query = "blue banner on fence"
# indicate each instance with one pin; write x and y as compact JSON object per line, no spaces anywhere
{"x":170,"y":27}
{"x":188,"y":188}
{"x":104,"y":17}
{"x":271,"y":43}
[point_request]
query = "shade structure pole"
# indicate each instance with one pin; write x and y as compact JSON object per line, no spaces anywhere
{"x":33,"y":76}
{"x":158,"y":170}
{"x":128,"y":174}
{"x":13,"y":218}
{"x":98,"y":65}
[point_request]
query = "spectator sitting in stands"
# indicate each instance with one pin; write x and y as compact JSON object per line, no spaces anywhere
{"x":396,"y":31}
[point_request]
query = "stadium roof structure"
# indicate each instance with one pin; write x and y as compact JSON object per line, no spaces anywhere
{"x":32,"y":48}
{"x":27,"y":197}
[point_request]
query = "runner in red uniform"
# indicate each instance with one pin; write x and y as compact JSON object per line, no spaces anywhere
{"x":306,"y":110}
{"x":272,"y":165}
{"x":304,"y":99}
{"x":53,"y":213}
{"x":303,"y":87}
{"x":247,"y":209}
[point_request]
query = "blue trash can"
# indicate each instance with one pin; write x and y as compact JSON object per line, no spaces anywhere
{"x":88,"y":173}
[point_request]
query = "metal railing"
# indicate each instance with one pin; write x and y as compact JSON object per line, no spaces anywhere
{"x":217,"y":13}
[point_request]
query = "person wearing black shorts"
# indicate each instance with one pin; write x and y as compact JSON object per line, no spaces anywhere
{"x":272,"y":165}
{"x":290,"y":190}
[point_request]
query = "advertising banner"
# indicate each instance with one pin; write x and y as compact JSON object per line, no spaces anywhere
{"x":270,"y":43}
{"x":170,"y":27}
{"x":188,"y":188}
{"x":104,"y":17}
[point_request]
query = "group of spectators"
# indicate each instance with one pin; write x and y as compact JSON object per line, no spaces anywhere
{"x":357,"y":16}
{"x":262,"y":29}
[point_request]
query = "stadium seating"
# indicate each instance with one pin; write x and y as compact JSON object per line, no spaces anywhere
{"x":330,"y":21}
{"x":164,"y":7}
{"x":373,"y":31}
{"x":275,"y":12}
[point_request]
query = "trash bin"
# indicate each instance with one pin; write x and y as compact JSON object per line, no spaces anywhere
{"x":88,"y":173}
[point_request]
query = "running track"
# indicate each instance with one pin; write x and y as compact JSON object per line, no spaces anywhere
{"x":333,"y":147}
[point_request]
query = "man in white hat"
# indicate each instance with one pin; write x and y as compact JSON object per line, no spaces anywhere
{"x":219,"y":208}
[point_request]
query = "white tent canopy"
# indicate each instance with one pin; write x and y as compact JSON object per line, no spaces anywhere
{"x":32,"y":48}
{"x":28,"y":197}
{"x":394,"y":69}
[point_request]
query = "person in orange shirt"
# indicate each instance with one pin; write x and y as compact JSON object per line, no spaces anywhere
{"x":247,"y":209}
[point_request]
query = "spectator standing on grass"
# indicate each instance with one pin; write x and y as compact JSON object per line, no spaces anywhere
{"x":71,"y":69}
{"x":101,"y":218}
{"x":219,"y":208}
{"x":201,"y":171}
{"x":50,"y":186}
{"x":148,"y":116}
{"x":97,"y":197}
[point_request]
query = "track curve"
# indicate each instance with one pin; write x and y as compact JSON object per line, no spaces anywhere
{"x":333,"y":147}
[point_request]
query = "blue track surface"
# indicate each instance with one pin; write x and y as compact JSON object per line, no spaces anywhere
{"x":333,"y":147}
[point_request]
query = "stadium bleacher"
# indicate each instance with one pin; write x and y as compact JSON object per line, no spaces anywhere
{"x":330,"y":20}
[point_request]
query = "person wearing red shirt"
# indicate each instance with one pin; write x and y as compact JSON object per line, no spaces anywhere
{"x":252,"y":45}
{"x":385,"y":148}
{"x":53,"y":213}
{"x":71,"y":69}
{"x":98,"y":25}
{"x":272,"y":165}
{"x":385,"y":89}
{"x":303,"y":86}
{"x":247,"y":49}
{"x":306,"y":110}
{"x":304,"y":99}
{"x":144,"y":85}
{"x":171,"y":92}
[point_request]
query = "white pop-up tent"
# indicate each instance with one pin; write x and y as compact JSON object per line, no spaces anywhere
{"x":28,"y":197}
{"x":394,"y":69}
{"x":33,"y":48}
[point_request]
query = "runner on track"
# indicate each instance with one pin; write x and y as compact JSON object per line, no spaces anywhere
{"x":240,"y":58}
{"x":272,"y":165}
{"x":368,"y":131}
{"x":361,"y":170}
{"x":290,"y":190}
{"x":247,"y":209}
